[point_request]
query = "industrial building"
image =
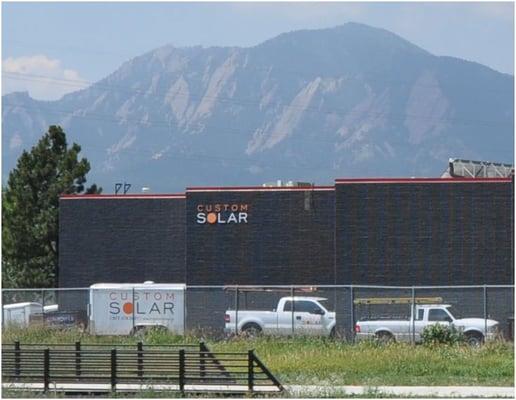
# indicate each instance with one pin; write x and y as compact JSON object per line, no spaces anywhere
{"x":442,"y":231}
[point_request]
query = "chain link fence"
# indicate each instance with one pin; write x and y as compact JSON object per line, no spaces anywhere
{"x":219,"y":311}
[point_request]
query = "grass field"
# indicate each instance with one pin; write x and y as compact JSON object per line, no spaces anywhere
{"x":322,"y":361}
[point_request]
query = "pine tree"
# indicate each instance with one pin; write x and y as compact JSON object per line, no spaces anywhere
{"x":30,"y":209}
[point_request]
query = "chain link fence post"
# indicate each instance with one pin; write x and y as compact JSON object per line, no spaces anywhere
{"x":43,"y":306}
{"x":292,"y":309}
{"x":236,"y":309}
{"x":413,"y":313}
{"x":132,"y":308}
{"x":352,"y":296}
{"x":485,"y":312}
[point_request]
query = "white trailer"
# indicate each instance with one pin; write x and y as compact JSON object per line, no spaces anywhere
{"x":125,"y":308}
{"x":18,"y":314}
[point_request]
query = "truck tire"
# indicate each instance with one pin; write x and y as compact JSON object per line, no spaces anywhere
{"x":384,"y":337}
{"x":474,"y":338}
{"x":251,"y":329}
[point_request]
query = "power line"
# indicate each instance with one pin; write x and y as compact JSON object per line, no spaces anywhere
{"x":311,"y":109}
{"x":166,"y":153}
{"x":365,"y":73}
{"x":165,"y":124}
{"x":203,"y":157}
{"x":76,"y":49}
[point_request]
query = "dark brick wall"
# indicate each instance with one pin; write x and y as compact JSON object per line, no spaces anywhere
{"x":121,"y":240}
{"x":424,"y":233}
{"x":361,"y":233}
{"x":288,"y":239}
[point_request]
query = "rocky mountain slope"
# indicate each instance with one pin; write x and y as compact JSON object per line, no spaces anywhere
{"x":306,"y":105}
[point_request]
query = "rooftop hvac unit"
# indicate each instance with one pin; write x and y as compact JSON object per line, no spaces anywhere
{"x":280,"y":183}
{"x":458,"y":168}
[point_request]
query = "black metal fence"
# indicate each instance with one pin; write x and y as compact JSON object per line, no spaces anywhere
{"x":175,"y":367}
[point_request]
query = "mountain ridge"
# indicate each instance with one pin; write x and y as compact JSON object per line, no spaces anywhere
{"x":361,"y":102}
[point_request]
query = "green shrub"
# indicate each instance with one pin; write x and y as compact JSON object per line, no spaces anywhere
{"x":441,"y":334}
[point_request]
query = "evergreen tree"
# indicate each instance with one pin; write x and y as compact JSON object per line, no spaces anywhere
{"x":30,"y":209}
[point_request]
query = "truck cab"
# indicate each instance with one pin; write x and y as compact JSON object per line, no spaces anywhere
{"x":306,"y":314}
{"x":293,"y":315}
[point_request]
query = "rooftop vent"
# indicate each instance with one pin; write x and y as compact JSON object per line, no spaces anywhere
{"x":280,"y":183}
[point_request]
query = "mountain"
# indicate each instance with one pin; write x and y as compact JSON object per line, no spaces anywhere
{"x":308,"y":105}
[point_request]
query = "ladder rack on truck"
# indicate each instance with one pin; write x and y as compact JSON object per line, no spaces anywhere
{"x":399,"y":300}
{"x":244,"y":289}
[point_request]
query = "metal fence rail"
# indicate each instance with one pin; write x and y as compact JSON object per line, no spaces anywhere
{"x":192,"y":368}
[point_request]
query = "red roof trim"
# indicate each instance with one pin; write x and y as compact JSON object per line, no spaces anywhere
{"x":120,"y":196}
{"x":422,"y":180}
{"x":258,"y":188}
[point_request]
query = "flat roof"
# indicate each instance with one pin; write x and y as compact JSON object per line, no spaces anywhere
{"x":120,"y":196}
{"x":338,"y":181}
{"x":422,"y":180}
{"x":260,"y":188}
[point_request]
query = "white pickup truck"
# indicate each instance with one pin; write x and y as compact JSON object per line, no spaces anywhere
{"x":474,"y":329}
{"x":308,"y":317}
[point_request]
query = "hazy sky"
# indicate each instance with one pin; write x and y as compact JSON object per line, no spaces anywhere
{"x":75,"y":42}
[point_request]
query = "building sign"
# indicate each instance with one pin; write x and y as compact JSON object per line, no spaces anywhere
{"x":152,"y":303}
{"x":222,"y":213}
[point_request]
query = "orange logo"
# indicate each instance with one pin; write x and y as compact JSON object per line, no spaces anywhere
{"x":212,"y":218}
{"x":128,"y":308}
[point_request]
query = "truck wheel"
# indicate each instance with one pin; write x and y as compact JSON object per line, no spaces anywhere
{"x":384,"y":337}
{"x":474,"y":338}
{"x":251,"y":330}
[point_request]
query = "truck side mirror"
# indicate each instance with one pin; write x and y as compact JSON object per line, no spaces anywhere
{"x":317,"y":311}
